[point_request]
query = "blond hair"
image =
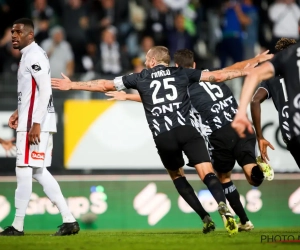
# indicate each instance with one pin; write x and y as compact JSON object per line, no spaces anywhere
{"x":161,"y":54}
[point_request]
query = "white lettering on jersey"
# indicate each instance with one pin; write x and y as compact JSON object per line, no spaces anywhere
{"x":161,"y":73}
{"x":221,"y":104}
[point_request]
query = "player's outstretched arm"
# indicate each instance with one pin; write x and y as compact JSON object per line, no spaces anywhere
{"x":123,"y":96}
{"x":222,"y":75}
{"x":99,"y":85}
{"x":263,"y":72}
{"x":8,"y":145}
{"x":252,"y":62}
{"x":260,"y":95}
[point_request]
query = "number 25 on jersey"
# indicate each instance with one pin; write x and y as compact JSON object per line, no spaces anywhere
{"x":157,"y":85}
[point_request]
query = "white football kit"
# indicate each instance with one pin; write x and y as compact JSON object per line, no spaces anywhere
{"x":35,"y":105}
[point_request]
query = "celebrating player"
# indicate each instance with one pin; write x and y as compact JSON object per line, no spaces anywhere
{"x":35,"y":123}
{"x":163,"y":91}
{"x":217,"y":107}
{"x":274,"y":88}
{"x":286,"y":65}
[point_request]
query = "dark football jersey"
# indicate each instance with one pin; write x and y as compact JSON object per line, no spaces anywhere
{"x":287,"y":64}
{"x":277,"y":91}
{"x":164,"y":94}
{"x":215,"y":103}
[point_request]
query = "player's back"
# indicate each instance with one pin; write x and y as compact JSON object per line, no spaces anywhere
{"x":215,"y":103}
{"x":164,"y":95}
{"x":287,"y":65}
{"x":276,"y":89}
{"x":33,"y":67}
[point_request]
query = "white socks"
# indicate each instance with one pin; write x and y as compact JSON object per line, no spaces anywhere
{"x":22,"y":195}
{"x":52,"y":190}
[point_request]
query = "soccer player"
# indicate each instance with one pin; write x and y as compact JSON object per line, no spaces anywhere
{"x":7,"y":145}
{"x":217,"y":107}
{"x":35,"y":123}
{"x":286,"y":65}
{"x":164,"y":95}
{"x":274,"y":88}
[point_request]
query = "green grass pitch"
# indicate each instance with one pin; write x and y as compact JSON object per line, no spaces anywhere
{"x":154,"y":240}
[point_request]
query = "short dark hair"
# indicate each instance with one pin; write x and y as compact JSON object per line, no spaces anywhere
{"x":26,"y":21}
{"x":284,"y":43}
{"x":184,"y":58}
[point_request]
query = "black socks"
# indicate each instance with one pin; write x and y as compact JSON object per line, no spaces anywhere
{"x":188,"y":194}
{"x":215,"y":187}
{"x":233,"y":197}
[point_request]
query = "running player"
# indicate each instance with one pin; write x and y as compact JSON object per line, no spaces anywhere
{"x":274,"y":88}
{"x":163,"y":91}
{"x":217,"y":107}
{"x":35,"y":123}
{"x":285,"y":64}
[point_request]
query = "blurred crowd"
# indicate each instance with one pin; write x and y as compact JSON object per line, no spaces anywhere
{"x":87,"y":39}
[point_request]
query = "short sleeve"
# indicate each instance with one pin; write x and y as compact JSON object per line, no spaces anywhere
{"x":38,"y":64}
{"x":193,"y":75}
{"x":126,"y":82}
{"x":265,"y":85}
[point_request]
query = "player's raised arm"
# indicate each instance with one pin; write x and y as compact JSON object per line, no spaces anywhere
{"x":263,"y":72}
{"x":252,"y":62}
{"x":222,"y":75}
{"x":123,"y":96}
{"x":99,"y":85}
{"x":260,"y":95}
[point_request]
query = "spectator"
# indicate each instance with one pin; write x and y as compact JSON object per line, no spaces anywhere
{"x":146,"y":44}
{"x":231,"y":45}
{"x":76,"y":23}
{"x":179,"y":37}
{"x":285,"y":15}
{"x":213,"y":10}
{"x":41,"y":11}
{"x":113,"y":61}
{"x":159,"y":22}
{"x":59,"y":52}
{"x":250,"y":39}
{"x":43,"y":28}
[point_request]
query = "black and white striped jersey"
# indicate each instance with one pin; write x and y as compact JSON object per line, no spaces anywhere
{"x":287,"y":65}
{"x":164,"y":94}
{"x":276,"y":90}
{"x":215,"y":104}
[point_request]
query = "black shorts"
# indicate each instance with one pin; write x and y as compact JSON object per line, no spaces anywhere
{"x":228,"y":147}
{"x":187,"y":139}
{"x":293,"y":146}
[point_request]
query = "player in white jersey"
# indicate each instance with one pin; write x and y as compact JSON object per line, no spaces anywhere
{"x":35,"y":123}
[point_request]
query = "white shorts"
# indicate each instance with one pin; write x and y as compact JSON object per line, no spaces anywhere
{"x":36,"y":156}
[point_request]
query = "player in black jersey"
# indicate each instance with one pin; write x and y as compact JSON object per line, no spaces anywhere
{"x":274,"y":88}
{"x":217,"y":107}
{"x":167,"y":106}
{"x":163,"y":91}
{"x":286,"y":64}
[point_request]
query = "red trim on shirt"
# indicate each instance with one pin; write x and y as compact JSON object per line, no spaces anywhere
{"x":26,"y":149}
{"x":30,"y":110}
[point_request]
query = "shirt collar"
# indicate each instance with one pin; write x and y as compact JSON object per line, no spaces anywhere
{"x":27,"y":48}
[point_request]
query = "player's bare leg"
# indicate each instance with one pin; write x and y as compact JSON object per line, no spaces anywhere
{"x":207,"y":175}
{"x":233,"y":197}
{"x":188,"y":194}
